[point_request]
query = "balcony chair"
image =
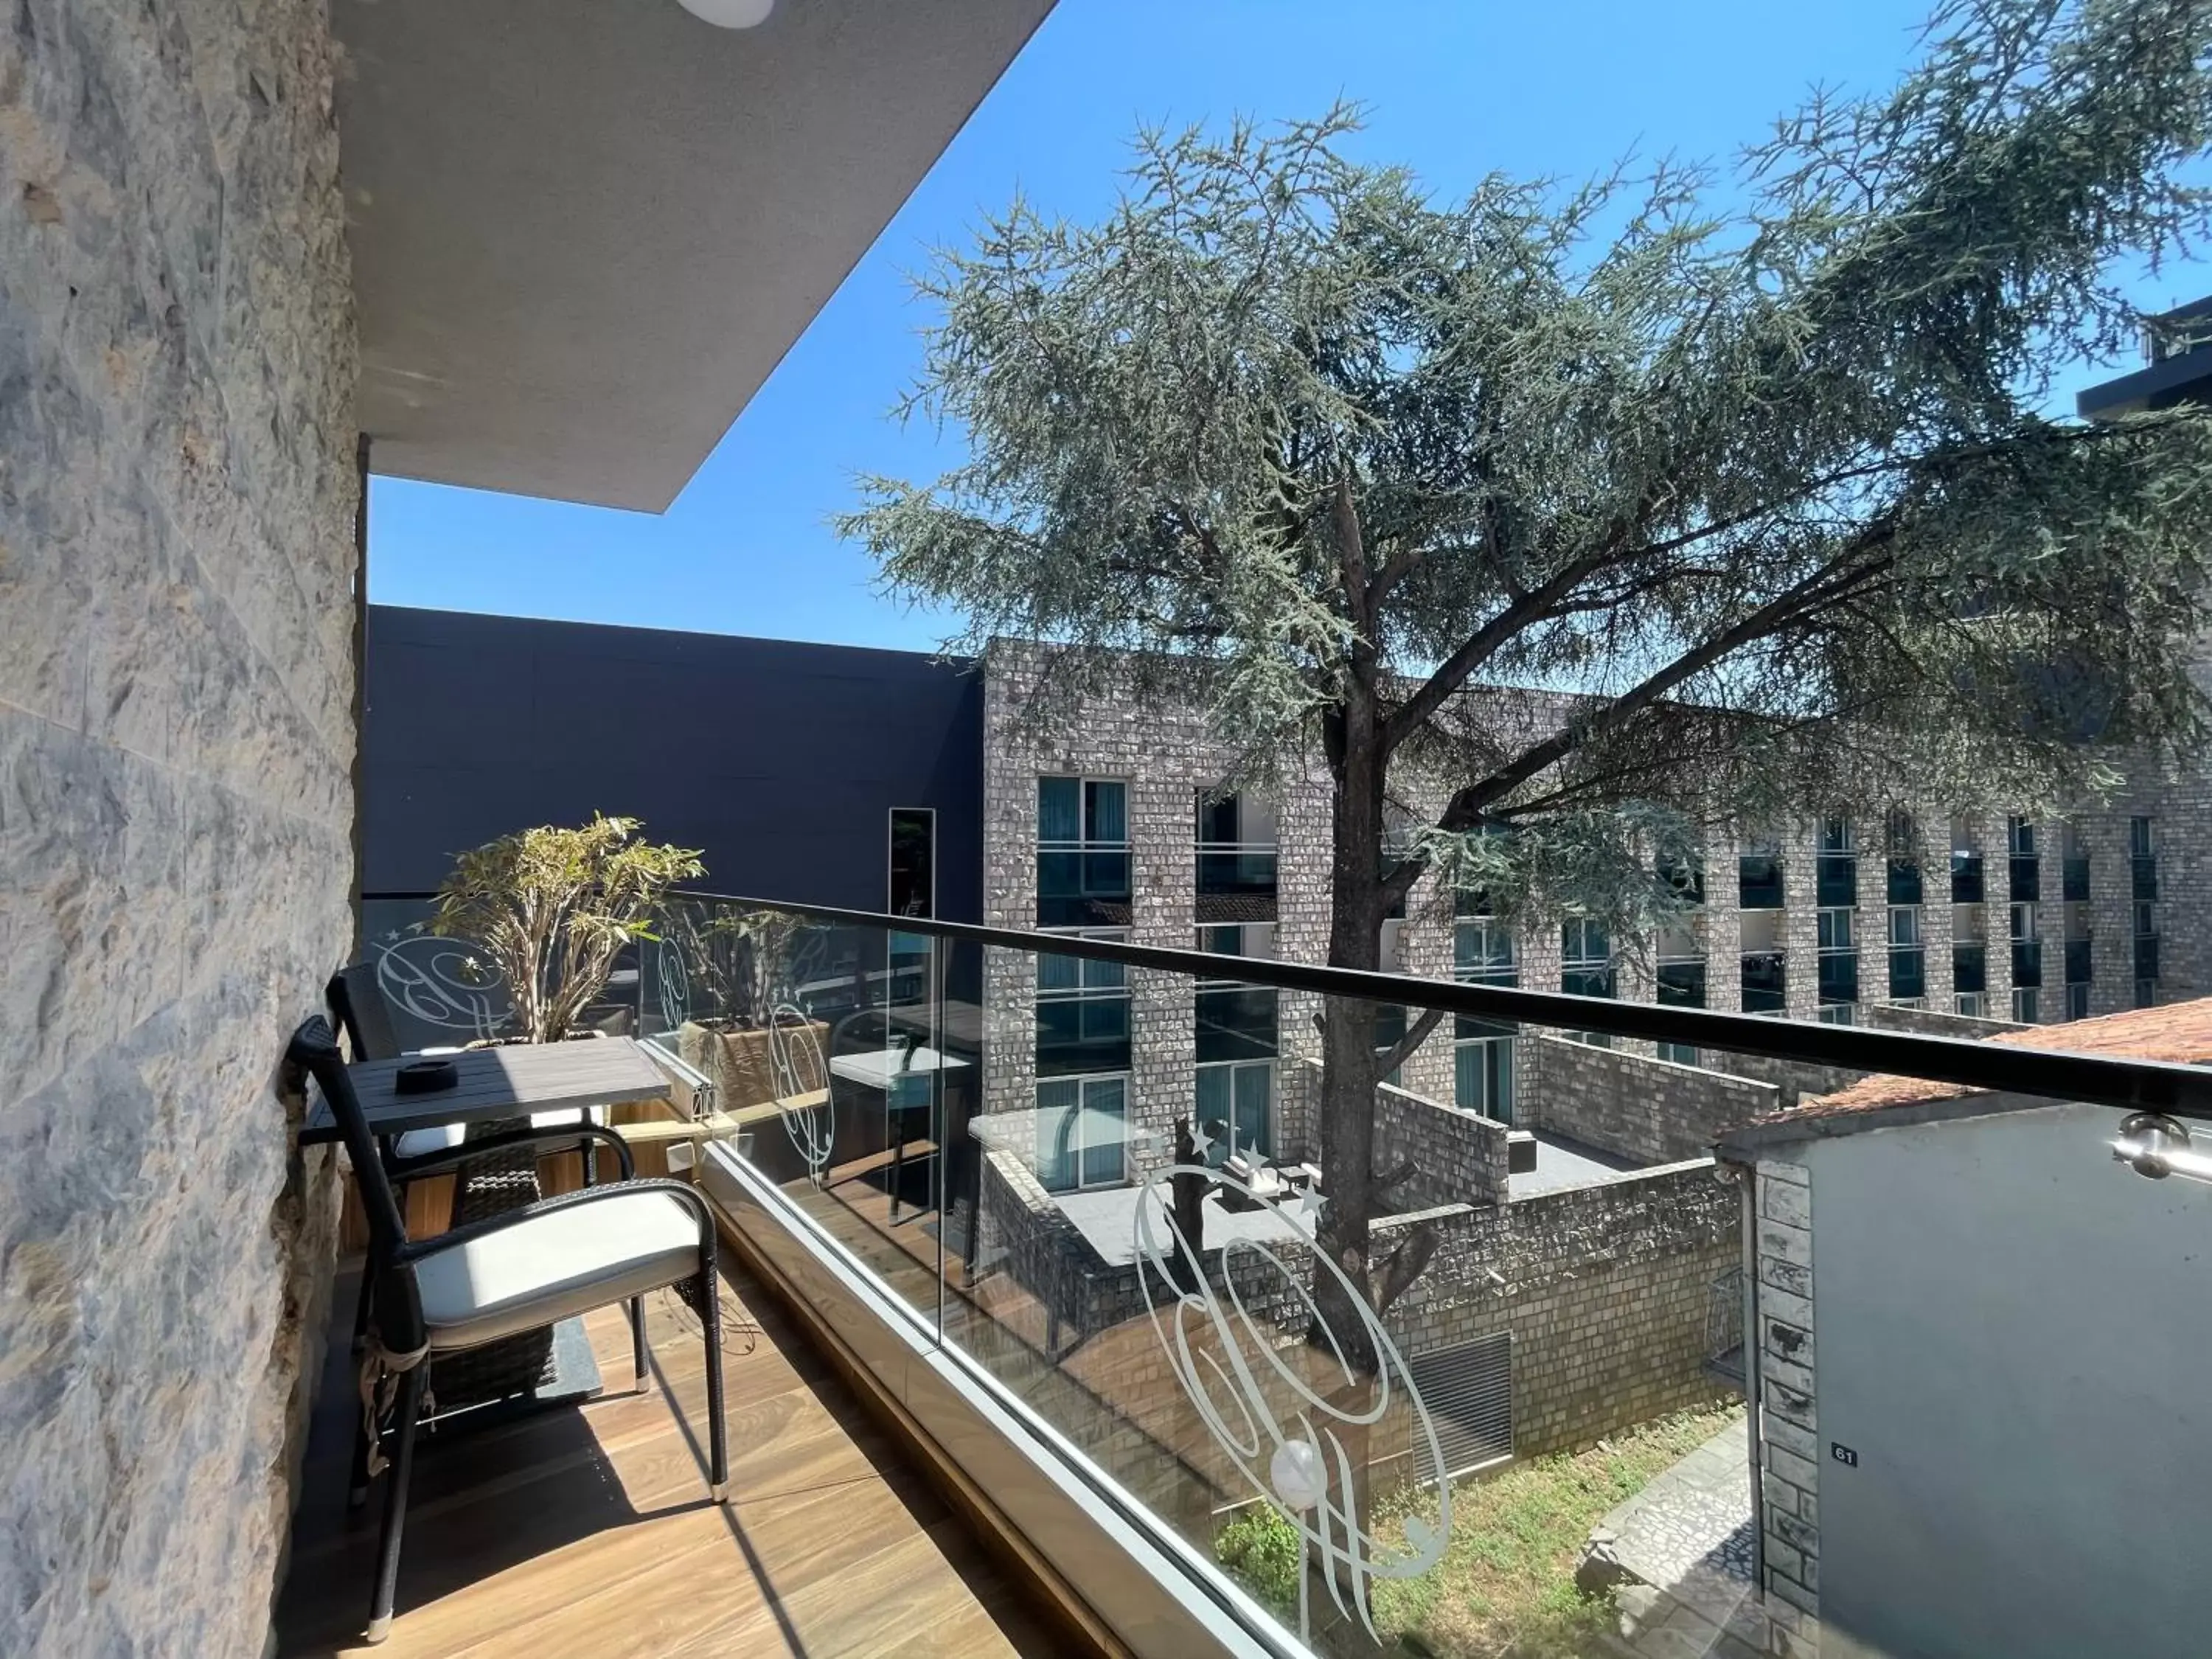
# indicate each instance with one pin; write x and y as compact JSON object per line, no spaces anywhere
{"x":365,"y":1014}
{"x":481,"y":1283}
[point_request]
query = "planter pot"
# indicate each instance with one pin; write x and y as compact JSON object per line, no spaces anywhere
{"x":742,"y":1067}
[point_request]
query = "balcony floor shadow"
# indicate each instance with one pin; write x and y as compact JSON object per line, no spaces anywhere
{"x":585,"y":1533}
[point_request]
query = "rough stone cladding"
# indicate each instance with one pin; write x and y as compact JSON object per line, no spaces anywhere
{"x":1454,"y":1156}
{"x":177,"y":493}
{"x":1649,"y":1110}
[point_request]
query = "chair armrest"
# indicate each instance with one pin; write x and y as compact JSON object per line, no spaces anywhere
{"x":692,"y":1198}
{"x":409,"y":1169}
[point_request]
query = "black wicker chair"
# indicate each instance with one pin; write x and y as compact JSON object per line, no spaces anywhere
{"x":491,"y":1182}
{"x":480,"y":1283}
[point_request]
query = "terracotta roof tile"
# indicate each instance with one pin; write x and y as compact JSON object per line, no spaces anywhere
{"x":2178,"y":1031}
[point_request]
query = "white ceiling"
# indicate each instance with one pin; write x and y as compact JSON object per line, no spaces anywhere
{"x":585,"y":231}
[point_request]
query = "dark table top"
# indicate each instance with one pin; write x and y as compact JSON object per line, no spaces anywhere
{"x":497,"y":1083}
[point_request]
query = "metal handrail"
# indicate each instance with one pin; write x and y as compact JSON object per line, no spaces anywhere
{"x":2045,"y":1073}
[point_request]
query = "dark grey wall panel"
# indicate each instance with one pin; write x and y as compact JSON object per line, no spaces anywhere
{"x":780,"y":760}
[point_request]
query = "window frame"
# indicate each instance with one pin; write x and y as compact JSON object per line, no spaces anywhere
{"x":1080,"y":1150}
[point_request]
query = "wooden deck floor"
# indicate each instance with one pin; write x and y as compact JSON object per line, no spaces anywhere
{"x":586,"y":1533}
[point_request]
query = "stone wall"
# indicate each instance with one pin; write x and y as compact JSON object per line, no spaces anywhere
{"x":1457,"y":1157}
{"x":1929,"y":1022}
{"x":177,"y":493}
{"x":1650,"y":1110}
{"x":1605,"y":1289}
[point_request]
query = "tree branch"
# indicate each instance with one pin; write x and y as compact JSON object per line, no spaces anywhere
{"x":1824,"y":589}
{"x":1402,"y":1050}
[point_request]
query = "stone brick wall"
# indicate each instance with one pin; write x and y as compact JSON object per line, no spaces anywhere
{"x":1649,"y":1110}
{"x":1457,"y":1156}
{"x":1930,"y":1021}
{"x":1605,"y":1289}
{"x":177,"y":493}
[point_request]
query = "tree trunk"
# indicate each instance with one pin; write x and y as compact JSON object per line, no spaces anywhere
{"x":1348,"y":1074}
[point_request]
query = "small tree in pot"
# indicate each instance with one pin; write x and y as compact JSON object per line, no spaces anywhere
{"x":551,"y":909}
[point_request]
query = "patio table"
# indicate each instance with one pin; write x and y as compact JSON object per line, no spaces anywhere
{"x":513,"y":1081}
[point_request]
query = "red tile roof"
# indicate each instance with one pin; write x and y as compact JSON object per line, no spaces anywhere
{"x":2178,"y":1031}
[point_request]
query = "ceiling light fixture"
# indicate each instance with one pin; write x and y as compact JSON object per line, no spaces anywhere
{"x":730,"y":14}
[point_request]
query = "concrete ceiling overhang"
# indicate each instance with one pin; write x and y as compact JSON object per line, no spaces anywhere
{"x":585,"y":231}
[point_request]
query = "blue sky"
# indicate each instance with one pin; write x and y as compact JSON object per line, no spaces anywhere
{"x":1455,"y":89}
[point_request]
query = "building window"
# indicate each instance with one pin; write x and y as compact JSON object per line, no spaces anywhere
{"x":1837,"y":1013}
{"x":1970,"y":1002}
{"x":1389,"y":1031}
{"x":2074,"y":867}
{"x":1969,"y":968}
{"x":1904,"y":874}
{"x":1237,"y":853}
{"x":1083,"y":851}
{"x":1235,"y":1020}
{"x":1236,"y":1042}
{"x":2146,"y":993}
{"x":2146,"y":951}
{"x":1237,"y":1108}
{"x":1082,"y":1012}
{"x":1686,"y":880}
{"x":1482,"y":1050}
{"x":1838,"y":959}
{"x":1908,"y":956}
{"x":1585,"y":958}
{"x":2080,"y":966}
{"x":2077,"y":1001}
{"x":2142,"y":861}
{"x":1482,"y":1072}
{"x":2025,"y":867}
{"x":2024,"y":1004}
{"x":912,"y":861}
{"x":2026,"y":949}
{"x":1966,"y":886}
{"x":1764,"y":984}
{"x":1681,"y":970}
{"x":1758,"y":874}
{"x":1837,"y":872}
{"x":1083,"y":1132}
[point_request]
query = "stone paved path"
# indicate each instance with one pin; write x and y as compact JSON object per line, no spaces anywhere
{"x":1679,"y":1555}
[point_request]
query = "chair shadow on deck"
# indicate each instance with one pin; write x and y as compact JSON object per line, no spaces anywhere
{"x":520,"y":1529}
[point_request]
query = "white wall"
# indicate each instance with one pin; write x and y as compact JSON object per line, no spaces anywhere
{"x":2014,"y":1334}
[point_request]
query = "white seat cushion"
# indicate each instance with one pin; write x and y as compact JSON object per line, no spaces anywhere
{"x":413,"y":1143}
{"x":555,"y":1265}
{"x":416,"y":1142}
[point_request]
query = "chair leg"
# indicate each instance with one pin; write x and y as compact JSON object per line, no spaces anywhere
{"x":718,"y":1448}
{"x":395,"y":1507}
{"x":357,"y":1485}
{"x":361,"y":1305}
{"x":637,"y":1344}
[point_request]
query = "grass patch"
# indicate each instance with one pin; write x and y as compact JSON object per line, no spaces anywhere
{"x":1505,"y":1588}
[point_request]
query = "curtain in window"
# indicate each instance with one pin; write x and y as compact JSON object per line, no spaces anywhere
{"x":1215,"y":1108}
{"x":1105,"y":1130}
{"x":1060,"y":809}
{"x":1108,"y":811}
{"x":1256,"y":1136}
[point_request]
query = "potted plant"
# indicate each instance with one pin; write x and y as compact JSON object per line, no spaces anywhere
{"x":740,"y":966}
{"x":551,"y":909}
